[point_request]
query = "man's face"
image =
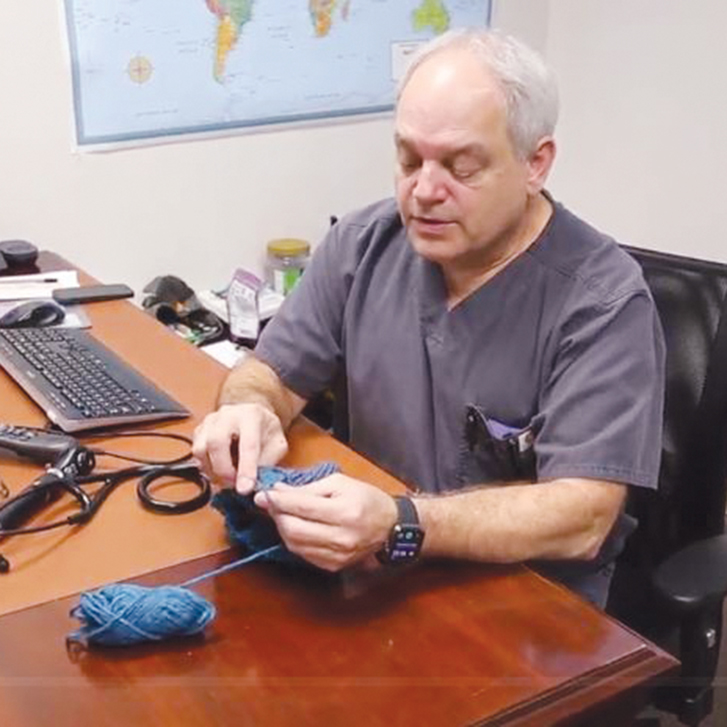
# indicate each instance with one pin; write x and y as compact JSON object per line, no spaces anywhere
{"x":460,"y":188}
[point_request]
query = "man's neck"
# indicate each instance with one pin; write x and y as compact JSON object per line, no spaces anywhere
{"x":463,"y":281}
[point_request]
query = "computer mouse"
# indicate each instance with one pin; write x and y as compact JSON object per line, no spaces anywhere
{"x":33,"y":314}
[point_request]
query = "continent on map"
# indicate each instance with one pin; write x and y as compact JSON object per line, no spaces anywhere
{"x":231,"y":16}
{"x":321,"y":13}
{"x":431,"y":14}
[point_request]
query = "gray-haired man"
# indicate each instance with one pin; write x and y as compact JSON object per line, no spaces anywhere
{"x":501,"y":356}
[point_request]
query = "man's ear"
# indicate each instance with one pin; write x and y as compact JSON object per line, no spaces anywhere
{"x":539,"y":164}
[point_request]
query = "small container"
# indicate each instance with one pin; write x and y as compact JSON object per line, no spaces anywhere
{"x":286,"y":261}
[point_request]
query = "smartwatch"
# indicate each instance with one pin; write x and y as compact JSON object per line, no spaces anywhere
{"x":406,"y":537}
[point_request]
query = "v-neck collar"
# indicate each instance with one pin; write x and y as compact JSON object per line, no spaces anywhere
{"x":432,"y":287}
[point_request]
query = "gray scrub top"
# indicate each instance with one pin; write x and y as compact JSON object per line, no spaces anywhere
{"x":553,"y":368}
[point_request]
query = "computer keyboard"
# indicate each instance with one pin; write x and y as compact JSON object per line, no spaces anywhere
{"x":79,"y":382}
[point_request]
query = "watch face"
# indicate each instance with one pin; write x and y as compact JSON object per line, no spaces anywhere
{"x":405,"y":543}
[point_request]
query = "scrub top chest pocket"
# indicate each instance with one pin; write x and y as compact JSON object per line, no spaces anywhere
{"x":495,"y":451}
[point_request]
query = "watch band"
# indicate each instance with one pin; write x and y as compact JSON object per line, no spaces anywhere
{"x":406,"y":537}
{"x":407,"y":511}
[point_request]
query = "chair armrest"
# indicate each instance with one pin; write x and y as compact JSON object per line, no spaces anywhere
{"x":695,"y":576}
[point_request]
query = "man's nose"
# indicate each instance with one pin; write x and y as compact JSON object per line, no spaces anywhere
{"x":429,"y":182}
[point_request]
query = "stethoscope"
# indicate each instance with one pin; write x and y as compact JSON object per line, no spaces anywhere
{"x":71,"y":473}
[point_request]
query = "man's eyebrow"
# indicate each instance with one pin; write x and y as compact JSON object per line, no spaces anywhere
{"x":400,"y":140}
{"x":473,"y":148}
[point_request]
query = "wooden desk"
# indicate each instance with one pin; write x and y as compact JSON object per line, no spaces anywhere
{"x":442,"y":644}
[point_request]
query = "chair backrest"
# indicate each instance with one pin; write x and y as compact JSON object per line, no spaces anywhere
{"x":691,"y":297}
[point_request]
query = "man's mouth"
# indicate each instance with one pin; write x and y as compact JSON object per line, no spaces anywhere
{"x":432,"y":224}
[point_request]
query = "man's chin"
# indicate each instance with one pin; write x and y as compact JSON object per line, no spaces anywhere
{"x":436,"y":250}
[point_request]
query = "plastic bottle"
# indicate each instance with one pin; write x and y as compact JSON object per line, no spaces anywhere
{"x":286,"y":261}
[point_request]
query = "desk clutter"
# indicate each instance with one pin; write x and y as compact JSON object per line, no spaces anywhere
{"x":69,"y":471}
{"x":120,"y":614}
{"x":225,"y":324}
{"x":172,"y":302}
{"x":126,"y":614}
{"x":28,"y":301}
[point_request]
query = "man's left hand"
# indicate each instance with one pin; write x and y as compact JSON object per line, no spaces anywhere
{"x":332,"y":523}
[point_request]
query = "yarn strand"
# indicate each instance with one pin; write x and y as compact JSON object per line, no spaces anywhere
{"x":125,"y":614}
{"x":231,"y":566}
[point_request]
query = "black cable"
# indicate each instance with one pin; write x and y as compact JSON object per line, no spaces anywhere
{"x":190,"y":473}
{"x":141,"y":433}
{"x":149,"y":470}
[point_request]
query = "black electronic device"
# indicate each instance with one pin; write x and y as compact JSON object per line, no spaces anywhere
{"x":33,"y":313}
{"x":37,"y":445}
{"x":79,"y":382}
{"x":18,"y":253}
{"x":91,"y":293}
{"x":406,"y":537}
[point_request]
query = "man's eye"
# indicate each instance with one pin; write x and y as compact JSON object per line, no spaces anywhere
{"x":408,"y":165}
{"x":464,"y":171}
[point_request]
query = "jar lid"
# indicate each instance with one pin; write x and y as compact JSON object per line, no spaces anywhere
{"x":288,"y":247}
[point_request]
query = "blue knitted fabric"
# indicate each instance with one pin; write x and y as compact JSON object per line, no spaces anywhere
{"x":253,"y":530}
{"x":123,"y":614}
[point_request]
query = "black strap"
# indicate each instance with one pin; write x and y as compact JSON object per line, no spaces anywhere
{"x":407,"y":511}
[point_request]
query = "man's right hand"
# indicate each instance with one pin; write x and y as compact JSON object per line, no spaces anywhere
{"x":231,"y":442}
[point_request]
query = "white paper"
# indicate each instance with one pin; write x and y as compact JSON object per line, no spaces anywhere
{"x":226,"y":352}
{"x":37,"y":285}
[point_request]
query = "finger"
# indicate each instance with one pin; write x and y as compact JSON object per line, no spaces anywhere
{"x":248,"y":453}
{"x":323,"y":558}
{"x":328,"y":547}
{"x":203,"y":448}
{"x":273,"y":449}
{"x":297,"y":501}
{"x":217,"y":451}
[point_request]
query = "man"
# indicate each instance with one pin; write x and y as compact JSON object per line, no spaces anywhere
{"x":501,"y":356}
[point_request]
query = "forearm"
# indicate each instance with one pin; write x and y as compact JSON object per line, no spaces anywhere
{"x":562,"y":519}
{"x":254,"y":382}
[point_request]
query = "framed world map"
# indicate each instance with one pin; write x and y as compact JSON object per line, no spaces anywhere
{"x":147,"y":71}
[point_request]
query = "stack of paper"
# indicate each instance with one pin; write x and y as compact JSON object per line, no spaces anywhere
{"x":37,"y":285}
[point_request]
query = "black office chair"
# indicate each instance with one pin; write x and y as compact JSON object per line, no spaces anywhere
{"x":671,"y":580}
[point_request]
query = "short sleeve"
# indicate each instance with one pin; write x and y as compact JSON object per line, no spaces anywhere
{"x":303,"y":341}
{"x":602,"y":404}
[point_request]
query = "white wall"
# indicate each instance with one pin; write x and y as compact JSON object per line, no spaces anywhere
{"x":643,"y":133}
{"x":642,"y":149}
{"x":195,"y":209}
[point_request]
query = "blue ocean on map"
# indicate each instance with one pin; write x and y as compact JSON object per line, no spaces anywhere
{"x":150,"y":70}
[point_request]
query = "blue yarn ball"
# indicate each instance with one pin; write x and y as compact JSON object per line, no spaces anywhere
{"x":123,"y":614}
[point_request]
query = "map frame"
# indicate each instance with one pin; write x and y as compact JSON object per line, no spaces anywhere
{"x":86,"y":139}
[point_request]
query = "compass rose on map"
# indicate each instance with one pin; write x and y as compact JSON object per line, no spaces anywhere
{"x":139,"y":69}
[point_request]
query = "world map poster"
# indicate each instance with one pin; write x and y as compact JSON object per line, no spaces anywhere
{"x":147,"y":71}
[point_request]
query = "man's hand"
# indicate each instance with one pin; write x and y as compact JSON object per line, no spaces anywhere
{"x":231,"y":442}
{"x":332,"y":523}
